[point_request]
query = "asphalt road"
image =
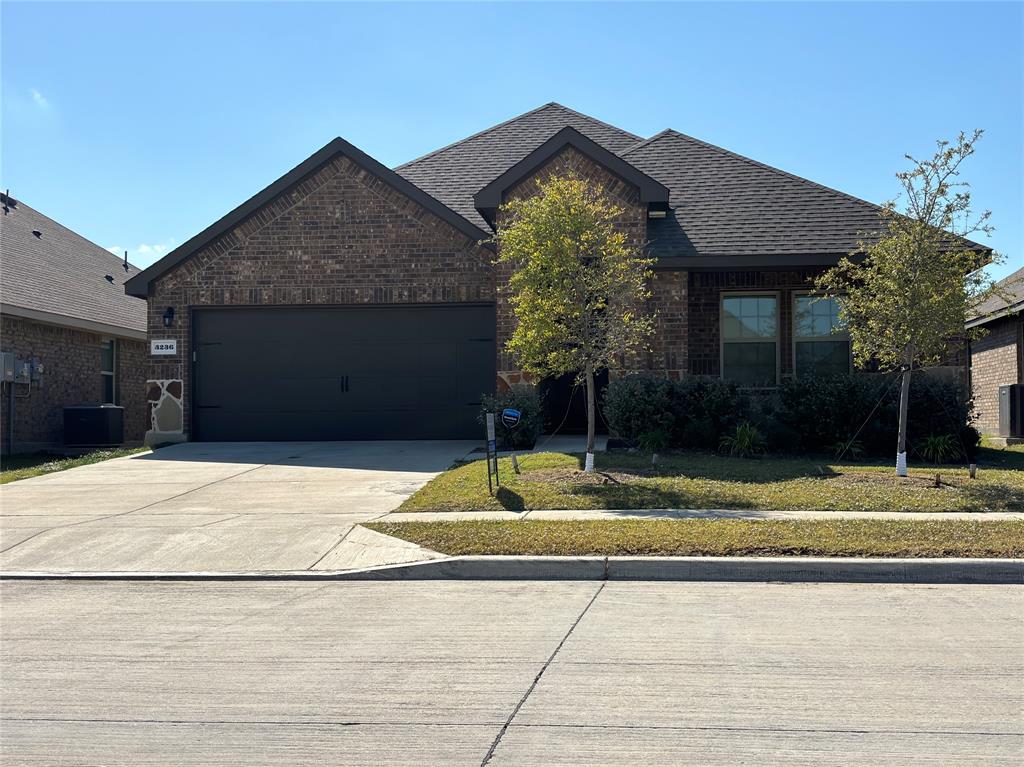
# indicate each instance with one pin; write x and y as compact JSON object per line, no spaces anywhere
{"x":513,"y":673}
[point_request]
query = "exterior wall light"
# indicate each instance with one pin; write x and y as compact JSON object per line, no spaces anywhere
{"x":168,"y":316}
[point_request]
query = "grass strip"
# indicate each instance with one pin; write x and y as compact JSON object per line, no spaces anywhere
{"x":716,"y":537}
{"x":17,"y":467}
{"x":707,"y":481}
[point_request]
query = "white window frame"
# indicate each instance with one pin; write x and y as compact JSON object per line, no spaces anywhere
{"x":777,"y":295}
{"x":831,"y":336}
{"x":112,"y":373}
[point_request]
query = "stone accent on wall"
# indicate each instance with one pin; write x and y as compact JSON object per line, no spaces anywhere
{"x":341,"y":236}
{"x":71,"y":360}
{"x":995,"y":361}
{"x":166,"y":408}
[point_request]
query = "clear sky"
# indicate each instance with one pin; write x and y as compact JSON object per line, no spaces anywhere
{"x":139,"y":124}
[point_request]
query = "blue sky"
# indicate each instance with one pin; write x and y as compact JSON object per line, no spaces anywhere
{"x":139,"y":124}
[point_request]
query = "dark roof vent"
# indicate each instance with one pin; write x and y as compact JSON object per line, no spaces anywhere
{"x":38,"y":234}
{"x":109,"y":279}
{"x":9,"y":203}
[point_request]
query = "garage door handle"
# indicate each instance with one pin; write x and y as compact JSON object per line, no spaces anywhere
{"x":344,"y":384}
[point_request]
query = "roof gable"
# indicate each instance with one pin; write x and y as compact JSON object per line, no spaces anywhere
{"x":58,"y":276}
{"x":140,"y":284}
{"x":491,"y":196}
{"x":455,"y":173}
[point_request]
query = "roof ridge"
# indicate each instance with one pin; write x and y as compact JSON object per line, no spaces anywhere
{"x":594,"y":120}
{"x":511,"y":120}
{"x":646,"y":141}
{"x":472,"y":136}
{"x":772,"y":168}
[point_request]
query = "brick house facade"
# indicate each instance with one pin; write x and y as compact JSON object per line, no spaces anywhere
{"x":64,"y":316}
{"x":343,"y":231}
{"x":339,"y":237}
{"x":997,"y":356}
{"x":71,"y":360}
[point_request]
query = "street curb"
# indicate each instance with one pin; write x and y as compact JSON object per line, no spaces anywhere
{"x":510,"y":568}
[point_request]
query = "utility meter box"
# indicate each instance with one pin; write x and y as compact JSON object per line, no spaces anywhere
{"x":7,"y":367}
{"x":1011,"y":410}
{"x":23,"y":371}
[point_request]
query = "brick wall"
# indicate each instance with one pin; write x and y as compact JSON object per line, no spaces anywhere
{"x":706,"y":289}
{"x":71,"y":360}
{"x":340,"y":236}
{"x":995,"y":361}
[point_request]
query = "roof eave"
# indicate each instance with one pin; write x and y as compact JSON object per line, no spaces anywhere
{"x":67,"y":321}
{"x":1007,"y":311}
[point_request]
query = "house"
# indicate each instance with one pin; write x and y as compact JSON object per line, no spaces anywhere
{"x":350,"y":300}
{"x":997,"y":357}
{"x":71,"y":334}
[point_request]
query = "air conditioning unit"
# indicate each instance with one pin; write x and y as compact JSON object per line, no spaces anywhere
{"x":1011,"y":410}
{"x":93,"y":425}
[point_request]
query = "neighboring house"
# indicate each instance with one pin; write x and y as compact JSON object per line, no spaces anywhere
{"x":347,"y":300}
{"x":63,"y":310}
{"x":997,"y":358}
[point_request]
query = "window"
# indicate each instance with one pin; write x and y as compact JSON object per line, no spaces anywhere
{"x":108,"y":371}
{"x":750,"y":339}
{"x":821,"y":345}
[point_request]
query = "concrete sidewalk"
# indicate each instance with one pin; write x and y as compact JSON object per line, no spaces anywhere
{"x":611,"y":514}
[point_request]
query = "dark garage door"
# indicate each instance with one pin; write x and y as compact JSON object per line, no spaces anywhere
{"x":341,"y":372}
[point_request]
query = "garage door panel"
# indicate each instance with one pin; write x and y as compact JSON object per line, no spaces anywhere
{"x":341,"y":373}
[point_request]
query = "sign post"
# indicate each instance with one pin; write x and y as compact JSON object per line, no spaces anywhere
{"x":492,"y":453}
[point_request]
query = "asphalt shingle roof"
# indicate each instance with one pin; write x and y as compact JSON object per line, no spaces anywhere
{"x":1010,"y":296}
{"x":723,"y":204}
{"x":726,"y":204}
{"x":62,"y":273}
{"x":453,"y":174}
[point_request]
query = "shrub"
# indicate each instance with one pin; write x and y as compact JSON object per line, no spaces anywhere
{"x":745,"y":441}
{"x":647,"y":410}
{"x":938,"y":448}
{"x":525,"y":399}
{"x":639,"y":404}
{"x":821,"y":412}
{"x":715,"y":406}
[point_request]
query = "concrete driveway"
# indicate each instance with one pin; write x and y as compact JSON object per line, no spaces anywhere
{"x":217,"y":507}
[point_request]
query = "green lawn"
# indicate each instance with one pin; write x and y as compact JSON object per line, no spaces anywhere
{"x":718,"y":537}
{"x":34,"y":464}
{"x":706,"y":481}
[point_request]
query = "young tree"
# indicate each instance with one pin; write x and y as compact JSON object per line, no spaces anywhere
{"x":906,"y":292}
{"x":577,"y":287}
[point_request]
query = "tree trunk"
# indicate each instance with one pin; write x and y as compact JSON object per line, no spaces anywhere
{"x":591,"y":420}
{"x":901,"y":441}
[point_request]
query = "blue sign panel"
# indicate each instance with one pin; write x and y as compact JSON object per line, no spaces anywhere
{"x":510,"y":417}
